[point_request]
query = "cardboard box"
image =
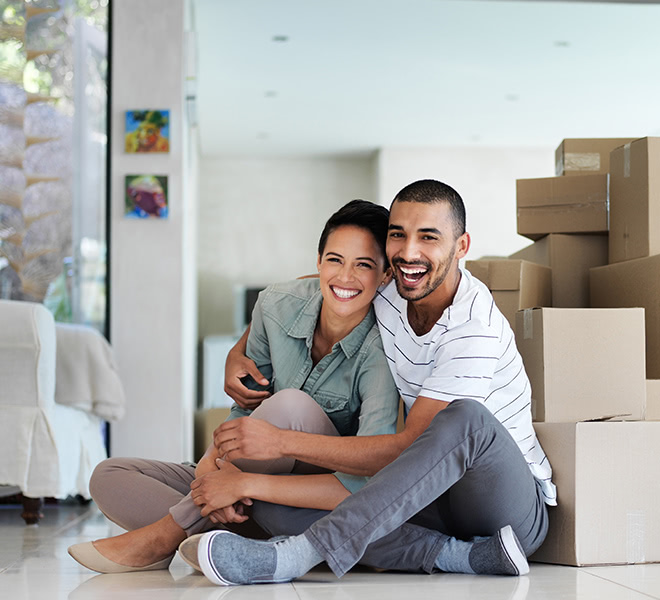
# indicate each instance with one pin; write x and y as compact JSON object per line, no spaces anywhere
{"x":608,"y":487}
{"x":633,"y":283}
{"x":635,"y":200}
{"x":583,"y":363}
{"x":515,"y":284}
{"x":205,"y":423}
{"x":652,"y":412}
{"x":562,"y":205}
{"x":586,"y":156}
{"x":570,"y":257}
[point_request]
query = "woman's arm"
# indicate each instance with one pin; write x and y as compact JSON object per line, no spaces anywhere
{"x":228,"y":484}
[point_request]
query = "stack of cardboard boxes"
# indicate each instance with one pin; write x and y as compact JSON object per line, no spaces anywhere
{"x":588,"y":358}
{"x":567,"y":217}
{"x":632,"y":277}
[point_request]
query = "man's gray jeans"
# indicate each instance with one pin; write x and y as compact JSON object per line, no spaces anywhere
{"x":463,"y":477}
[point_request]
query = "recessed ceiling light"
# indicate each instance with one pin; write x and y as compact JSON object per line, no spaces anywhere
{"x":280,"y":38}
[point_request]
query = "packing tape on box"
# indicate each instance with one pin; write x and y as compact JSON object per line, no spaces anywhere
{"x":626,"y":160}
{"x":635,"y":536}
{"x":528,"y":324}
{"x":582,"y":161}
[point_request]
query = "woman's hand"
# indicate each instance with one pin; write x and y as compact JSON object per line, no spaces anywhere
{"x":219,"y":494}
{"x":247,"y":437}
{"x":231,"y":514}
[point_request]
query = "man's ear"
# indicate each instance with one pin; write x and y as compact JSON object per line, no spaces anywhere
{"x":462,"y":245}
{"x":387,"y":276}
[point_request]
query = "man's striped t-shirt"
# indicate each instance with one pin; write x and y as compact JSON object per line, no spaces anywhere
{"x":469,"y":353}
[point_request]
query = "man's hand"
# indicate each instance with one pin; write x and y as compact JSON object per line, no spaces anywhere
{"x":218,"y":494}
{"x":237,"y":367}
{"x":248,"y":437}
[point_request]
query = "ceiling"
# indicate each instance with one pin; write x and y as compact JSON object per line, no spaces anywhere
{"x":300,"y":77}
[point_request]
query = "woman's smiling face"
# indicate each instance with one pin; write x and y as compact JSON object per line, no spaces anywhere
{"x":351,"y":268}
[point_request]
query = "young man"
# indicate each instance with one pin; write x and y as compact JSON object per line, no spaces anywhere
{"x":464,"y":487}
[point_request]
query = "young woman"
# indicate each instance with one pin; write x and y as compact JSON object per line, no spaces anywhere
{"x":316,"y":341}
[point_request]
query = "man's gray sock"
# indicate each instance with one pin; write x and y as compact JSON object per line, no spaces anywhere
{"x":295,"y":556}
{"x":500,"y":554}
{"x":454,"y":556}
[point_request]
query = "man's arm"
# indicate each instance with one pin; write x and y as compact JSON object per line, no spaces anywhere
{"x":359,"y":455}
{"x":377,"y":416}
{"x":238,"y":366}
{"x":228,"y":484}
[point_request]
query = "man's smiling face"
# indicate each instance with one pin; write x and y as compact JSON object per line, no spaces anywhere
{"x":422,"y":247}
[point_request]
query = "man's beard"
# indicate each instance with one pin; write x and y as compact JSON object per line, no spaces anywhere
{"x":418,"y":294}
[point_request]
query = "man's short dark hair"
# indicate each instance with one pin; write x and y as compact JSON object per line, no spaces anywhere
{"x":359,"y":213}
{"x":429,"y":191}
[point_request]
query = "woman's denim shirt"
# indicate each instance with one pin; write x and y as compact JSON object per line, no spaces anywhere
{"x":352,"y":384}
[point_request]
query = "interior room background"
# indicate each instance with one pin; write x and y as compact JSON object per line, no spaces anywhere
{"x":277,"y":121}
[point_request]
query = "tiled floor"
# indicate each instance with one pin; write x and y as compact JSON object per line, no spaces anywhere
{"x":34,"y":564}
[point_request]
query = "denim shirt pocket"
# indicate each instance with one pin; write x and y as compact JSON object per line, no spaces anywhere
{"x":338,"y":409}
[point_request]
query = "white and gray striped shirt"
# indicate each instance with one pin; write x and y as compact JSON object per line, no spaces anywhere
{"x":469,"y":353}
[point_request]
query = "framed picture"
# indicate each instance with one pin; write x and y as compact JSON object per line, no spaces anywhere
{"x":147,"y":131}
{"x":146,"y":196}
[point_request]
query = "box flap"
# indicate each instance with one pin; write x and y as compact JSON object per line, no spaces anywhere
{"x":633,"y":283}
{"x":505,"y":274}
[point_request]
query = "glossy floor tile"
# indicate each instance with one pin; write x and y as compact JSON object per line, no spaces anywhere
{"x":34,"y":564}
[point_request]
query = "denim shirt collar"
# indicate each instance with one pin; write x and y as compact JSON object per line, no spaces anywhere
{"x":305,"y":324}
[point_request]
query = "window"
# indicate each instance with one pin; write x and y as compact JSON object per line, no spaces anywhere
{"x":53,"y":123}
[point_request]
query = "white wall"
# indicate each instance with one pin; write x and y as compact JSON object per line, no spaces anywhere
{"x":152,"y":261}
{"x":260,"y":219}
{"x":484,"y":177}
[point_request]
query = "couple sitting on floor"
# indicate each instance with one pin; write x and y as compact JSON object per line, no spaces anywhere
{"x":462,"y":488}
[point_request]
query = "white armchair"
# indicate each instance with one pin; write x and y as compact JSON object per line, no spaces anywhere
{"x":58,"y":383}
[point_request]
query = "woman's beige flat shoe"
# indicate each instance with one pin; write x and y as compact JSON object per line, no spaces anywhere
{"x":88,"y":556}
{"x":188,"y":550}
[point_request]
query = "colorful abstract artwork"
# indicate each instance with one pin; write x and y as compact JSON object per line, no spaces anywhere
{"x":146,"y":196}
{"x":147,"y":131}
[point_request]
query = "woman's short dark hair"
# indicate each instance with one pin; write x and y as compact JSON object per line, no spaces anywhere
{"x":363,"y":214}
